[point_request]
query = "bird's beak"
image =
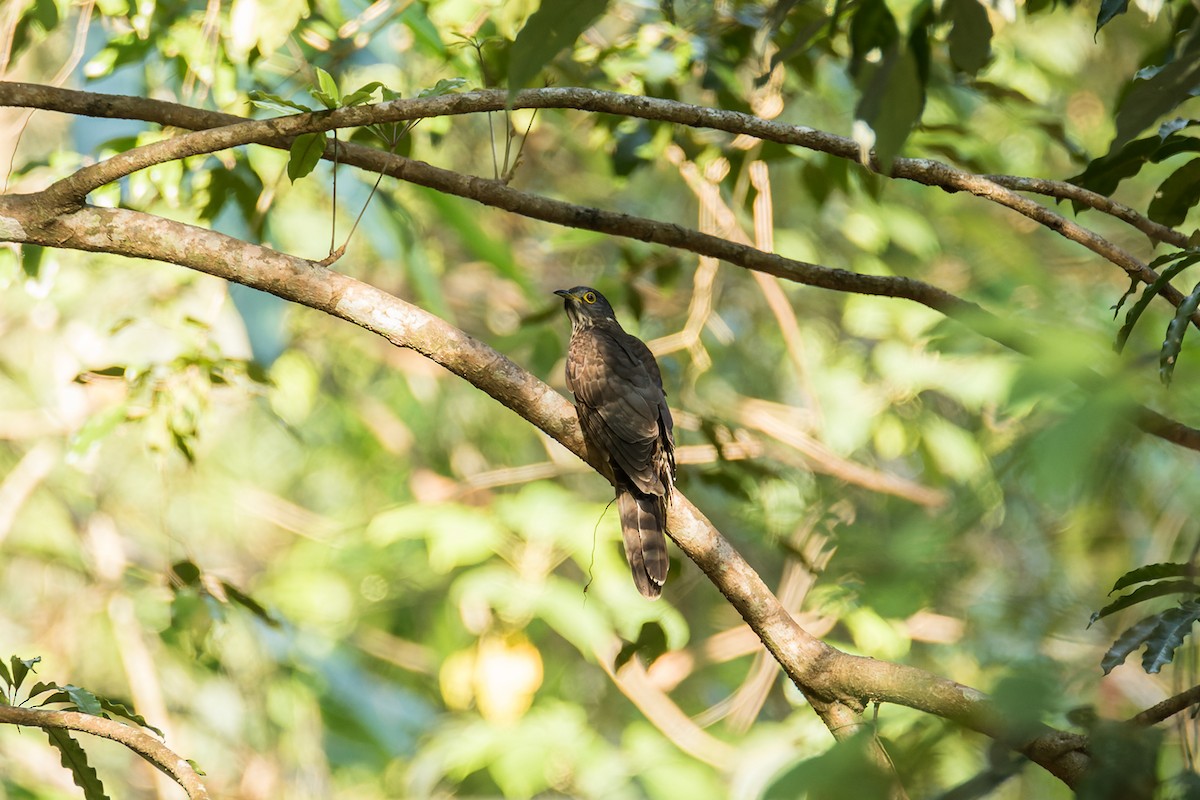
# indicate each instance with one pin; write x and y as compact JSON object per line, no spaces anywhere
{"x":565,"y":294}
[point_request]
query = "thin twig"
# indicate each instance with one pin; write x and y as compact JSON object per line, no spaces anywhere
{"x":1167,"y":708}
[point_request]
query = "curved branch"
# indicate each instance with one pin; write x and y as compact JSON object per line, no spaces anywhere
{"x":838,"y":685}
{"x":220,"y":130}
{"x":140,"y":742}
{"x":1062,"y":190}
{"x":924,"y":171}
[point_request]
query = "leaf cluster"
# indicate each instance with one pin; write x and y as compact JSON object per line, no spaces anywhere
{"x":1161,"y":633}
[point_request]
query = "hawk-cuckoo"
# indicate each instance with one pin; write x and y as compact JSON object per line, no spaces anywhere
{"x":626,"y":423}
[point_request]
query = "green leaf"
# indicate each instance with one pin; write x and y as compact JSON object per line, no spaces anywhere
{"x":1104,"y":174}
{"x":45,"y":12}
{"x":240,"y":185}
{"x":444,"y":86}
{"x":1152,"y":572}
{"x":362,"y":95}
{"x":327,"y":91}
{"x":83,"y":699}
{"x":306,"y":153}
{"x":41,"y":687}
{"x":971,"y":37}
{"x":1173,"y":627}
{"x":1155,"y":92}
{"x":1173,"y":341}
{"x":892,"y":102}
{"x":275,"y":102}
{"x":873,"y":27}
{"x":425,"y":33}
{"x":1108,"y":10}
{"x":21,"y":667}
{"x":551,"y":29}
{"x":1176,"y":195}
{"x":119,"y":709}
{"x":75,"y":759}
{"x":849,"y":763}
{"x":1133,"y":638}
{"x":1128,"y":293}
{"x":5,"y":675}
{"x":31,"y":260}
{"x":1144,"y":593}
{"x":1184,"y":259}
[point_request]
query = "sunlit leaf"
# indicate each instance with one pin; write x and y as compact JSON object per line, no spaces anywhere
{"x":275,"y":103}
{"x":363,"y":94}
{"x":327,"y":90}
{"x":444,"y":86}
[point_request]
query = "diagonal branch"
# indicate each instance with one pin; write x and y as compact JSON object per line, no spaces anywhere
{"x":140,"y":742}
{"x":838,"y":685}
{"x":1167,"y":708}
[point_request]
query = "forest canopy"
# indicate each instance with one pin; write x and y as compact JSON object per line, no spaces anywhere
{"x":919,"y":277}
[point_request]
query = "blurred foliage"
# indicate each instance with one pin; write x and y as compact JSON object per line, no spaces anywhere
{"x":328,"y":569}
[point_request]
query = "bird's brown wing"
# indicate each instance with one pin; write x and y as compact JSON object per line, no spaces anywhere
{"x":622,"y":409}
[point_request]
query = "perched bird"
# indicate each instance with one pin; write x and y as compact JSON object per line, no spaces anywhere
{"x":626,"y":424}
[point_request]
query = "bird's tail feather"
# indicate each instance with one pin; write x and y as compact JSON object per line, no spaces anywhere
{"x":643,"y":522}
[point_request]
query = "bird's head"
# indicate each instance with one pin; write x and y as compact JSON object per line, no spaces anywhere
{"x":585,"y":306}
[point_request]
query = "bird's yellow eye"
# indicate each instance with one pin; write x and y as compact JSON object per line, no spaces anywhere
{"x":589,"y":297}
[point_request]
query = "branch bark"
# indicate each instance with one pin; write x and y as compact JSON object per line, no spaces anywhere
{"x":136,"y":740}
{"x":924,"y":171}
{"x":217,"y":131}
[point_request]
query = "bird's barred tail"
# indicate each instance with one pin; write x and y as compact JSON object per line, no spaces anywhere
{"x":643,"y":522}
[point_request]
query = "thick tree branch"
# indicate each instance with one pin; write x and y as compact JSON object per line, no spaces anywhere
{"x":136,"y":740}
{"x":838,"y":685}
{"x":925,"y":171}
{"x":224,"y":130}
